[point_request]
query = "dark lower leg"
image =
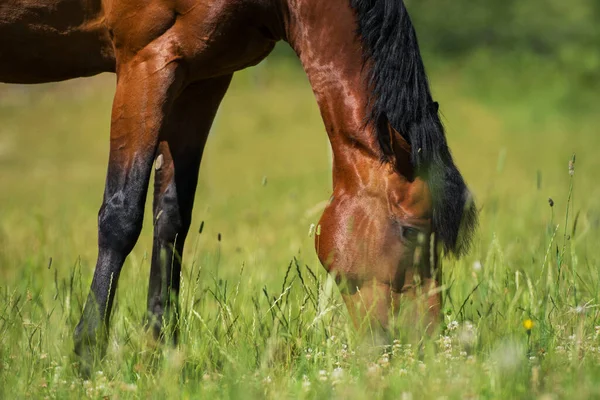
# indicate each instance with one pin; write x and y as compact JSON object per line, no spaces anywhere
{"x":173,"y":199}
{"x":177,"y":162}
{"x":144,"y":93}
{"x":119,"y":225}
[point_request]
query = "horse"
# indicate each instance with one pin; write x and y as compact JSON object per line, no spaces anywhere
{"x":399,"y":203}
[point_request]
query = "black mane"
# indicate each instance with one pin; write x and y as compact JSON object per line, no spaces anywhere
{"x":400,"y":95}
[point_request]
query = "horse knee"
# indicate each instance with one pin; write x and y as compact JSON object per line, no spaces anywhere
{"x":119,"y":224}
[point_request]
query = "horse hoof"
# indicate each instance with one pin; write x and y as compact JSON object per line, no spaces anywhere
{"x":88,"y":352}
{"x":84,"y":361}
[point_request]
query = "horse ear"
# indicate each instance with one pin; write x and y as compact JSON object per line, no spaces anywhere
{"x":401,"y":153}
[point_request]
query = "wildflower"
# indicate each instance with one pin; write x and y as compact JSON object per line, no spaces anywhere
{"x":373,"y":370}
{"x":323,"y":375}
{"x":305,"y":382}
{"x":467,"y":335}
{"x":337,"y":375}
{"x":550,"y":201}
{"x":384,"y":360}
{"x":528,"y":325}
{"x":477,"y":266}
{"x":446,"y":342}
{"x":453,"y":325}
{"x":507,"y":355}
{"x":128,"y":387}
{"x":581,"y":309}
{"x":308,"y":354}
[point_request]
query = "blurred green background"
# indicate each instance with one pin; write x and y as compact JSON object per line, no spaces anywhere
{"x":518,"y":86}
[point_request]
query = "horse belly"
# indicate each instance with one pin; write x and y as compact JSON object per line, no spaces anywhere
{"x":53,"y":40}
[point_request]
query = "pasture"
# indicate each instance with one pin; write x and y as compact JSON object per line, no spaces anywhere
{"x":260,"y":318}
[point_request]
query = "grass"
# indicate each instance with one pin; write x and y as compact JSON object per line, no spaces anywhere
{"x":260,"y":317}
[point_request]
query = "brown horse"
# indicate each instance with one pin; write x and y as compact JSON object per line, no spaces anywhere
{"x":398,"y":199}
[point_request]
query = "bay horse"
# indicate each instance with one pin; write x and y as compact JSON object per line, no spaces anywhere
{"x":398,"y":199}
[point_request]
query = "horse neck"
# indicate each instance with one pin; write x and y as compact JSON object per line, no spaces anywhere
{"x":323,"y":34}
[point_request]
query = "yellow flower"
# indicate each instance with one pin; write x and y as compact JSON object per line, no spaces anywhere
{"x":528,"y":324}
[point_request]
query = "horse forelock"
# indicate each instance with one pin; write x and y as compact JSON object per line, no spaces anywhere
{"x":400,"y":95}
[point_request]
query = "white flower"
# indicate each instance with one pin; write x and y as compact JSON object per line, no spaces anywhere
{"x":305,"y":382}
{"x":467,"y":336}
{"x":384,"y":360}
{"x":337,"y":374}
{"x":373,"y":369}
{"x":453,"y":325}
{"x":508,"y":355}
{"x":406,"y":396}
{"x":323,"y":375}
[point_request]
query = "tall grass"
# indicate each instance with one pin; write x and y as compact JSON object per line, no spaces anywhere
{"x":259,"y":317}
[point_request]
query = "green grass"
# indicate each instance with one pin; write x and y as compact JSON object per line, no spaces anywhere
{"x":260,"y":317}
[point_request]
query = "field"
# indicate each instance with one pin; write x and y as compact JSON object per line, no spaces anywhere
{"x":260,"y":316}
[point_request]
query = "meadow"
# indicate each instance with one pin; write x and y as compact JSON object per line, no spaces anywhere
{"x":260,"y":318}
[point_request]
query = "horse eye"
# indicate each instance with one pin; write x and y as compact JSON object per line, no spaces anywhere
{"x":411,"y":234}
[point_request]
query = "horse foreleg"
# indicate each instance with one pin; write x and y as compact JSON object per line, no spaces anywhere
{"x":146,"y":88}
{"x":177,"y":163}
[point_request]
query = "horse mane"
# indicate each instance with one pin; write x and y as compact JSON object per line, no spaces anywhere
{"x":400,"y":96}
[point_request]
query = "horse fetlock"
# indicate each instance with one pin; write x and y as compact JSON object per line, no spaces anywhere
{"x":163,"y":320}
{"x":90,"y":342}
